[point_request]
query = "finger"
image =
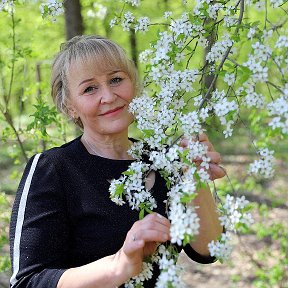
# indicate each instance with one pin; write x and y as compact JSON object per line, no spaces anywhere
{"x":215,"y":157}
{"x":203,"y":137}
{"x":184,"y":142}
{"x":216,"y":171}
{"x":154,"y":218}
{"x":152,"y":235}
{"x":208,"y":145}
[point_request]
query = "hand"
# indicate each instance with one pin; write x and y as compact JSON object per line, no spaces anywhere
{"x":215,"y":171}
{"x":141,"y":241}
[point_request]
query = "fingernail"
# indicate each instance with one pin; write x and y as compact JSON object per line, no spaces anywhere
{"x":160,"y":216}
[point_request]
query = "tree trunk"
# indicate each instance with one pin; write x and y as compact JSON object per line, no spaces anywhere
{"x":73,"y":18}
{"x":133,"y":45}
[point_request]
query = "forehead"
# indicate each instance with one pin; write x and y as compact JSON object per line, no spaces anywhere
{"x":96,"y":64}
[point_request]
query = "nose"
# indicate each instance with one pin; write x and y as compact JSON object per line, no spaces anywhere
{"x":107,"y":94}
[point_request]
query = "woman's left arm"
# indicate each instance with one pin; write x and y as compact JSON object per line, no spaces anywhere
{"x":210,"y":227}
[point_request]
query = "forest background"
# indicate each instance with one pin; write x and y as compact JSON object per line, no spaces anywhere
{"x":29,"y":123}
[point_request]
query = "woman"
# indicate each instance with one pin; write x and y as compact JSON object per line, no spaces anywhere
{"x":65,"y":231}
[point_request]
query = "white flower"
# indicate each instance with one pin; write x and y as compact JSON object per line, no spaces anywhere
{"x":127,"y":20}
{"x":230,"y":20}
{"x":136,"y":150}
{"x":267,"y":34}
{"x":223,"y":107}
{"x":282,"y":42}
{"x":145,"y":274}
{"x":133,"y":2}
{"x":260,"y":5}
{"x":229,"y":79}
{"x":279,"y":110}
{"x":203,"y":41}
{"x":234,"y":212}
{"x":228,"y":130}
{"x":144,"y":55}
{"x":167,"y":14}
{"x":251,"y":33}
{"x":113,"y":22}
{"x":190,"y":123}
{"x":213,"y":10}
{"x":142,"y":24}
{"x":265,"y":165}
{"x":7,"y":5}
{"x":53,"y":8}
{"x":253,"y":99}
{"x":277,"y":3}
{"x":221,"y":249}
{"x":218,"y":49}
{"x":182,"y":26}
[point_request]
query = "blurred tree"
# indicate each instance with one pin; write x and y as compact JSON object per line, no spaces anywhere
{"x":73,"y":18}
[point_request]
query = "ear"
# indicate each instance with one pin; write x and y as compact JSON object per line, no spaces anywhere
{"x":72,"y":112}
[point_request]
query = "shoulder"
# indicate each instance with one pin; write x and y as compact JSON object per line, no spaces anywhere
{"x":55,"y":156}
{"x":62,"y":152}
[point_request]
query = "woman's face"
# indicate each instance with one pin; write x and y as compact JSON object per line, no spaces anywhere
{"x":100,"y":98}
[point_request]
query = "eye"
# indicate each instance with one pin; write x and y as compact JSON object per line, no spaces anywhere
{"x":90,"y":89}
{"x":116,"y":80}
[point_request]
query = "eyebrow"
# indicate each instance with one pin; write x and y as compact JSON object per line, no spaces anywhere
{"x":90,"y":79}
{"x":86,"y":80}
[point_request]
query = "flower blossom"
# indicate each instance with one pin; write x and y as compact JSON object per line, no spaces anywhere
{"x":265,"y":165}
{"x":145,"y":274}
{"x":52,"y":8}
{"x":218,"y":49}
{"x":133,"y":2}
{"x":7,"y":5}
{"x":127,"y":21}
{"x":142,"y":24}
{"x":222,"y":248}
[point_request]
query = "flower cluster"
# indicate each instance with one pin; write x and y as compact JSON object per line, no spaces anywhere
{"x":234,"y":213}
{"x":170,"y":273}
{"x":132,"y":187}
{"x":133,"y":2}
{"x":7,"y":5}
{"x":51,"y":9}
{"x":184,"y":219}
{"x":145,"y":274}
{"x":128,"y":20}
{"x":163,"y":111}
{"x":142,"y":24}
{"x":222,"y":248}
{"x":218,"y":49}
{"x":279,"y":110}
{"x":265,"y":165}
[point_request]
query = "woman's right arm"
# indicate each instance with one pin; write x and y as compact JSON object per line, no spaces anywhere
{"x":40,"y":237}
{"x":112,"y":271}
{"x":39,"y":227}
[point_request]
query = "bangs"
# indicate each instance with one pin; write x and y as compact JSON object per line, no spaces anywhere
{"x":107,"y":57}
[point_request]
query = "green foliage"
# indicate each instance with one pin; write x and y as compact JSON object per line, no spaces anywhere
{"x":5,"y":211}
{"x":43,"y":117}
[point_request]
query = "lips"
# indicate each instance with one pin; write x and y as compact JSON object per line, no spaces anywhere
{"x":112,"y":110}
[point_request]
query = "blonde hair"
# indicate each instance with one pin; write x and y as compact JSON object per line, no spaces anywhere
{"x":108,"y":54}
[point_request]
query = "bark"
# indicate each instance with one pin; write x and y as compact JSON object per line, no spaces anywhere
{"x":133,"y":45}
{"x":73,"y":18}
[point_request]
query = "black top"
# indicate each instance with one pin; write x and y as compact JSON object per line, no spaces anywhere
{"x":63,"y":216}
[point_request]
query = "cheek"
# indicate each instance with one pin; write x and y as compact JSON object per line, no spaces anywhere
{"x":88,"y":108}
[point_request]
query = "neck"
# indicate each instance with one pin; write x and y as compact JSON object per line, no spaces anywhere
{"x":107,"y":147}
